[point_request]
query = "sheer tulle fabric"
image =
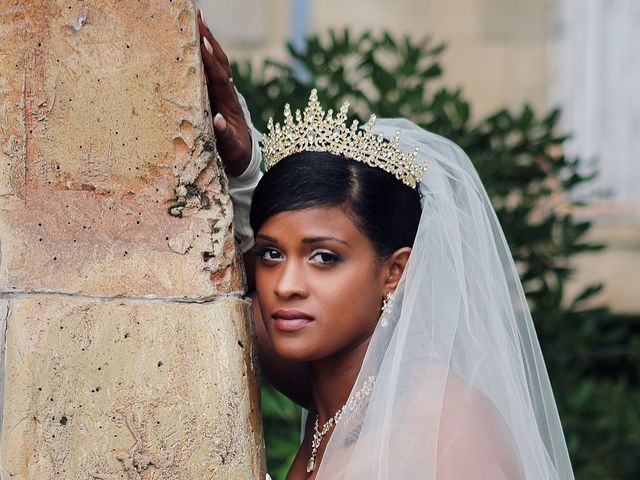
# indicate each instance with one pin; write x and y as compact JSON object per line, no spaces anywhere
{"x":461,"y":390}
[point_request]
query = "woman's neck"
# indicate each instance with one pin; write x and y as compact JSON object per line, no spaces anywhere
{"x":332,"y":379}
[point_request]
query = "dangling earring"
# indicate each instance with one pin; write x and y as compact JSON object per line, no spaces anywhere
{"x":386,"y":310}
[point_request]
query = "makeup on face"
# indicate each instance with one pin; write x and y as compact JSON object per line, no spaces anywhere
{"x":318,"y":282}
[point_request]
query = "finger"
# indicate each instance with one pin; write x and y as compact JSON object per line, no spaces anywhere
{"x":217,"y":50}
{"x":228,"y":141}
{"x":213,"y":54}
{"x":224,"y":133}
{"x":231,"y":148}
{"x":222,"y":94}
{"x":220,"y":55}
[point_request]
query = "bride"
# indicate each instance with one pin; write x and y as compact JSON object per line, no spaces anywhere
{"x":387,"y":302}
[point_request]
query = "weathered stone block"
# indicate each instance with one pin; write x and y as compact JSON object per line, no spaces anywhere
{"x":108,"y":131}
{"x":130,"y":389}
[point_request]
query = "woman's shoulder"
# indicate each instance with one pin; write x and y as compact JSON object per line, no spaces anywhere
{"x":473,"y":440}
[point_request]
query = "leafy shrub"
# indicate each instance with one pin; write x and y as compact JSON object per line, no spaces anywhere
{"x":592,"y":356}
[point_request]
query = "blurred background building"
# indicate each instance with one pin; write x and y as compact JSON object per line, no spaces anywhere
{"x":581,"y":55}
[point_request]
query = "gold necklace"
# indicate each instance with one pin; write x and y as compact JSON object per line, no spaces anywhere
{"x":353,"y":404}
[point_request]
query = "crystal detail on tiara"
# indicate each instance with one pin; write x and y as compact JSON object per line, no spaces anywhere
{"x":317,"y":131}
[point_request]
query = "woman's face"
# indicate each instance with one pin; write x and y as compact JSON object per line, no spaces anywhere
{"x":319,"y":283}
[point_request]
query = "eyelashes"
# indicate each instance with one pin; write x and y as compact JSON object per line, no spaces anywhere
{"x":326,"y":258}
{"x":268,"y":254}
{"x":271,"y":255}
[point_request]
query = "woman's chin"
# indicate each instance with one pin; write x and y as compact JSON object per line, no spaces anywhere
{"x":295,"y":349}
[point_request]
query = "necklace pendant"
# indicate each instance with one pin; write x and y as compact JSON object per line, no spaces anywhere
{"x":318,"y":434}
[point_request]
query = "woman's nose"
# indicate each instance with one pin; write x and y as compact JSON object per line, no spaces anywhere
{"x":292,"y":282}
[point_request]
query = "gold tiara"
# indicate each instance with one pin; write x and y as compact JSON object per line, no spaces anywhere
{"x":315,"y":131}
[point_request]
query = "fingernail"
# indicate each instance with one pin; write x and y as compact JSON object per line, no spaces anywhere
{"x":208,"y":46}
{"x":268,"y":477}
{"x":204,"y":22}
{"x":219,"y":122}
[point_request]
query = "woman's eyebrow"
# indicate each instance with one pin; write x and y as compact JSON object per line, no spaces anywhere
{"x":325,"y":239}
{"x":266,"y":238}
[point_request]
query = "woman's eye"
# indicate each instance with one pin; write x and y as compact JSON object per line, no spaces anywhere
{"x":325,"y":257}
{"x":269,"y":254}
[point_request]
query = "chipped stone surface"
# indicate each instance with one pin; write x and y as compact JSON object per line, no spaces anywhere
{"x":107,"y":154}
{"x":128,"y":345}
{"x":148,"y":390}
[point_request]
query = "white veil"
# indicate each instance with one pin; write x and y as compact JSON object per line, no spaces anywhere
{"x":461,"y":390}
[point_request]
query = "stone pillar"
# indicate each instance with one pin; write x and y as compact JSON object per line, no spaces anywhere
{"x":129,"y":347}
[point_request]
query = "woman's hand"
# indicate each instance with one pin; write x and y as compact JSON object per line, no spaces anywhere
{"x":232,"y":133}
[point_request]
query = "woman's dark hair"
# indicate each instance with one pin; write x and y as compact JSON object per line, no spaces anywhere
{"x":384,"y":209}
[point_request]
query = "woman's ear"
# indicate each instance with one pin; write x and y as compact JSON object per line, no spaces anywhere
{"x":394,"y":266}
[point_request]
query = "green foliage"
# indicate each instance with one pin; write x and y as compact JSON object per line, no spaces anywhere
{"x":592,"y":356}
{"x":281,"y":418}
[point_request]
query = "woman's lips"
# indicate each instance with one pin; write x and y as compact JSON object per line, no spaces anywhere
{"x":290,"y":320}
